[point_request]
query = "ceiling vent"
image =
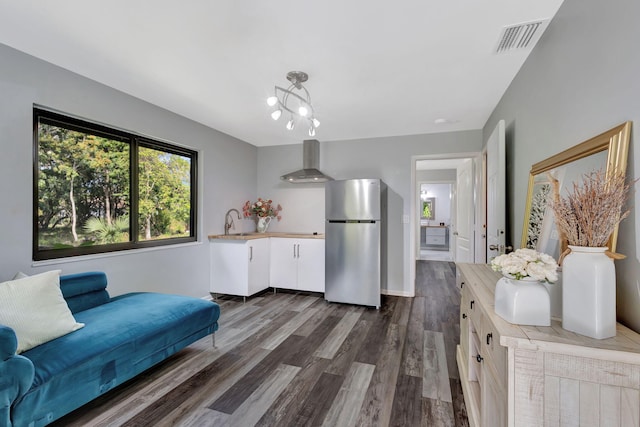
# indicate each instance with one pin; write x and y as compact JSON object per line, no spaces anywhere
{"x":521,"y":36}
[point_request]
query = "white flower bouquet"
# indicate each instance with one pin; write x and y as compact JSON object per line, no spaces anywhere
{"x":524,"y":263}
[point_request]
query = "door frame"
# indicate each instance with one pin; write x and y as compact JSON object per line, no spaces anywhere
{"x":476,"y":157}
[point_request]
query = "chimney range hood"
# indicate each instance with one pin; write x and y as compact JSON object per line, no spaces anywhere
{"x":310,"y":164}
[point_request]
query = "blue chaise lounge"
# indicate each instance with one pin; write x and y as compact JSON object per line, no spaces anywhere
{"x":122,"y":337}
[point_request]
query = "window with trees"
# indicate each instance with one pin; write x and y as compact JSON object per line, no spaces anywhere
{"x":98,"y":189}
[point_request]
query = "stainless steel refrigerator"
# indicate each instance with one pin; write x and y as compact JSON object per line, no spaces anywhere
{"x":355,"y":241}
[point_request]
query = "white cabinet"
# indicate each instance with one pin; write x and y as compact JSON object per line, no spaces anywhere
{"x":239,"y":267}
{"x":297,"y":264}
{"x":530,"y":376}
{"x":436,"y":236}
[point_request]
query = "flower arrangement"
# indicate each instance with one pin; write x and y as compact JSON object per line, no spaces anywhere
{"x":261,"y":209}
{"x":525,"y":263}
{"x":590,"y":213}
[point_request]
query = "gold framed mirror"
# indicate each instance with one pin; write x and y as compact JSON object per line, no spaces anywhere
{"x":607,"y":151}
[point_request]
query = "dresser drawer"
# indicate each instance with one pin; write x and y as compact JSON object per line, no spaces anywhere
{"x":490,"y":348}
{"x":436,"y":231}
{"x":474,"y":311}
{"x":435,"y":240}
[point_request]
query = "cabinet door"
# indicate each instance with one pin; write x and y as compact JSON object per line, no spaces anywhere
{"x":283,"y":263}
{"x":229,"y":268}
{"x":257,"y":254}
{"x":310,"y":256}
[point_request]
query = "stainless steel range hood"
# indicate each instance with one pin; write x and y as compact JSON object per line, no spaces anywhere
{"x":310,"y":164}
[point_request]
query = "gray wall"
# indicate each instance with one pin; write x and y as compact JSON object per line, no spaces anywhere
{"x":227,"y":175}
{"x":386,"y":158}
{"x":436,"y":175}
{"x":581,"y":79}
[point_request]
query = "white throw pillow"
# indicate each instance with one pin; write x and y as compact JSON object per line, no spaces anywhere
{"x":35,"y":309}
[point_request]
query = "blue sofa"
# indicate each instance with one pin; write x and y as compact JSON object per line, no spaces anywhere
{"x":122,"y":337}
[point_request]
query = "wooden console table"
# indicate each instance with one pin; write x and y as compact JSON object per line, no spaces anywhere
{"x":540,"y":376}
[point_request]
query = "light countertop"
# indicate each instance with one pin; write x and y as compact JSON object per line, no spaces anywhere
{"x":254,"y":235}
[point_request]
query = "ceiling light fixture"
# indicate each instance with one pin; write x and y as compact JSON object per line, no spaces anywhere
{"x":296,"y":104}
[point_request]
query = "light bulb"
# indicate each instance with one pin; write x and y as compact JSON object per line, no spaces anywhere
{"x":271,"y":101}
{"x":276,"y":114}
{"x":315,"y":122}
{"x":312,"y":131}
{"x":303,"y":111}
{"x":290,"y":124}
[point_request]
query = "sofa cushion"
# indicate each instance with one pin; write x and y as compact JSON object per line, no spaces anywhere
{"x":83,"y":291}
{"x":35,"y":309}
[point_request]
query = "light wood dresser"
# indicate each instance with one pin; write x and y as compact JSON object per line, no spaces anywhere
{"x":540,"y":376}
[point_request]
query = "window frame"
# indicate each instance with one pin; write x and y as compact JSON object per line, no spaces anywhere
{"x":135,"y":141}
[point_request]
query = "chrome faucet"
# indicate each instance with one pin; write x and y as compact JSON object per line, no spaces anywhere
{"x":228,"y":220}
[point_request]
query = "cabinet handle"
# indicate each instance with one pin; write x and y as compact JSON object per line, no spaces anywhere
{"x":250,"y":253}
{"x":294,"y":250}
{"x":479,"y":358}
{"x":464,"y":315}
{"x":489,"y":337}
{"x":461,"y":285}
{"x":298,"y":245}
{"x":472,"y":302}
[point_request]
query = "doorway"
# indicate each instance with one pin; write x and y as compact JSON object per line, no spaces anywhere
{"x":422,"y":171}
{"x":434,"y":216}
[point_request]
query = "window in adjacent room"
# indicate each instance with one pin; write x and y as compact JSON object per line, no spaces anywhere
{"x":99,"y":189}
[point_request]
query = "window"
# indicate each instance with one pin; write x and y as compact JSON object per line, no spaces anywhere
{"x":98,"y":189}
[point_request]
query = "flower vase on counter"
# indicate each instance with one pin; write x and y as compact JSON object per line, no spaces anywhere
{"x":262,"y":223}
{"x":520,"y":297}
{"x":264,"y":211}
{"x":523,"y":302}
{"x":587,"y":217}
{"x":589,"y":292}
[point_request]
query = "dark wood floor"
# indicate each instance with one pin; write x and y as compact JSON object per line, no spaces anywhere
{"x":290,"y":359}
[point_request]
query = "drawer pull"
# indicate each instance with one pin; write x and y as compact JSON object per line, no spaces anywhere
{"x":471,"y":304}
{"x":479,"y":358}
{"x":461,"y":285}
{"x":464,"y":315}
{"x":489,"y":337}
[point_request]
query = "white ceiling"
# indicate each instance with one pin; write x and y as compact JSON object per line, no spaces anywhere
{"x":376,"y":68}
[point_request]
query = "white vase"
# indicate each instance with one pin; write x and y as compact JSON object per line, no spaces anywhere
{"x":522,"y":302}
{"x":589,"y":292}
{"x":262,"y":224}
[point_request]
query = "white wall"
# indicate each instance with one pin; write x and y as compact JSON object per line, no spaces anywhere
{"x":227,"y":175}
{"x":386,"y":158}
{"x":580,"y":80}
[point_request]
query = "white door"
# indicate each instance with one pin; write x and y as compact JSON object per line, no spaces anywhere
{"x":463,"y":232}
{"x":496,"y":188}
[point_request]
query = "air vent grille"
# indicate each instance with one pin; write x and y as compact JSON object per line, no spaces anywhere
{"x":520,"y":36}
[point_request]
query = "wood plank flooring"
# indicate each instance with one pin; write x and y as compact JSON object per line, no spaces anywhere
{"x":292,"y":359}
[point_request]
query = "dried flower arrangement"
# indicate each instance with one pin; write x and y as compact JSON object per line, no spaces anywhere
{"x":590,"y":213}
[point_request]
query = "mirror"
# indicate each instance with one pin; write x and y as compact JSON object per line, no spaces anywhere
{"x":429,"y":208}
{"x":606,"y":151}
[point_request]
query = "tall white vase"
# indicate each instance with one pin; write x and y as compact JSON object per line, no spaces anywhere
{"x":589,"y":292}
